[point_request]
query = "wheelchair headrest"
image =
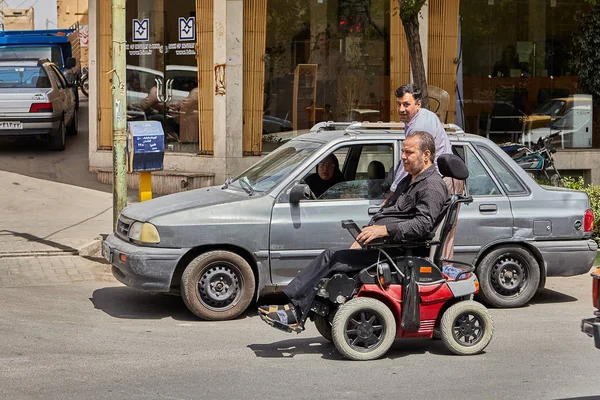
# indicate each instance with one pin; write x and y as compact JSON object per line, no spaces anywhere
{"x":452,"y":166}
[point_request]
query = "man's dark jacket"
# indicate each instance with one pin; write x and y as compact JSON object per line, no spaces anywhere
{"x":416,"y":208}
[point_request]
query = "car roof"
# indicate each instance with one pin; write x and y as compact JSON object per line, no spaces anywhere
{"x":328,"y":132}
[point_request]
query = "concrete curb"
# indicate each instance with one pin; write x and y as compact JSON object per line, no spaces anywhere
{"x":90,"y":248}
{"x":39,"y":253}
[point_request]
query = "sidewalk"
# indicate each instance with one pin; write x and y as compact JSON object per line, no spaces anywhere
{"x":42,"y":218}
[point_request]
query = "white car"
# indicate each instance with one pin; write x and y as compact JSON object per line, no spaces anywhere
{"x":36,"y":100}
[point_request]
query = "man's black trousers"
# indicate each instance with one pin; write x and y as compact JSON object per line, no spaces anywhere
{"x":301,"y":290}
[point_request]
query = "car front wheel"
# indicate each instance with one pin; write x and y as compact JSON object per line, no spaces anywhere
{"x":217,"y":285}
{"x":509,"y":277}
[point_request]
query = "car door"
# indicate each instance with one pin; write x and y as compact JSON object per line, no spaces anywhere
{"x":301,"y":231}
{"x":69,"y":95}
{"x":65,"y":98}
{"x":489,"y":217}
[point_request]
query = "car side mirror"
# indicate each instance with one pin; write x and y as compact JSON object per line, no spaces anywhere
{"x":70,"y":62}
{"x":299,"y":192}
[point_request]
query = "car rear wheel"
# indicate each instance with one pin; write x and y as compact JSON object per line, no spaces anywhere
{"x":74,"y":125}
{"x":217,"y":285}
{"x":509,"y":277}
{"x":57,"y":139}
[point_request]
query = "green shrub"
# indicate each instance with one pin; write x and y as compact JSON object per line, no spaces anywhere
{"x":593,"y":193}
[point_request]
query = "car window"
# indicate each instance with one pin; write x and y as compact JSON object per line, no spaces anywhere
{"x":365,"y":170}
{"x":479,"y":182}
{"x":504,"y":174}
{"x":52,"y":53}
{"x":59,"y":76}
{"x":24,"y":77}
{"x":52,"y":75}
{"x":275,"y":167}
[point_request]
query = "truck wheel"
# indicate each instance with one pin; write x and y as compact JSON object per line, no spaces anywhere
{"x":467,"y":328}
{"x":74,"y":125}
{"x":217,"y":285}
{"x":324,"y":327}
{"x":57,"y":139}
{"x":509,"y":277}
{"x":363,"y":329}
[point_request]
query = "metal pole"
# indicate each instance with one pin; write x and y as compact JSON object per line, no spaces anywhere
{"x":119,"y":109}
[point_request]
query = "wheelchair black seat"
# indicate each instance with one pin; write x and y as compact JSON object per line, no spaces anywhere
{"x":452,"y":166}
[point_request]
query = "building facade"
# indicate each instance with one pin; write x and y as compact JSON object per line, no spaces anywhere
{"x":15,"y":19}
{"x":228,"y":79}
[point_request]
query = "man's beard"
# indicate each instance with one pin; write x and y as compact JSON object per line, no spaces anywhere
{"x":416,"y":167}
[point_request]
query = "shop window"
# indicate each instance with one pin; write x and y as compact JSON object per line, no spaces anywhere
{"x":324,"y":62}
{"x":517,"y":80}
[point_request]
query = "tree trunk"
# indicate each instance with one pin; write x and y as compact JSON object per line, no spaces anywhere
{"x":415,"y":53}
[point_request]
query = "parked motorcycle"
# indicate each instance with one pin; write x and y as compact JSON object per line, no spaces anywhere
{"x":83,"y":82}
{"x":536,"y":160}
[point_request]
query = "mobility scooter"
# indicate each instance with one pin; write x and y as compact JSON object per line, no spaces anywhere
{"x":405,"y":295}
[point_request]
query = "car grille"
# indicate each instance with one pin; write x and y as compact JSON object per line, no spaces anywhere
{"x":123,"y":225}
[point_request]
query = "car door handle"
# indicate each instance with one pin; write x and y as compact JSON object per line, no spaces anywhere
{"x":487,"y":208}
{"x":373,"y":210}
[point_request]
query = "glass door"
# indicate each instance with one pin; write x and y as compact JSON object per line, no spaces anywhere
{"x":162,"y":72}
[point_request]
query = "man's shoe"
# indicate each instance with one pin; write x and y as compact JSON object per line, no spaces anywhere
{"x":286,"y":320}
{"x":271,"y":309}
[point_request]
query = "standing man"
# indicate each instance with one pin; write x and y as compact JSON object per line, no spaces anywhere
{"x":415,"y":118}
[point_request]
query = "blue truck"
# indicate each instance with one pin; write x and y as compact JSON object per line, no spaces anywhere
{"x":55,"y":45}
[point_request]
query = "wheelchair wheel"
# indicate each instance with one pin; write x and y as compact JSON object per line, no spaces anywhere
{"x":324,"y":327}
{"x":363,"y":329}
{"x":467,"y":328}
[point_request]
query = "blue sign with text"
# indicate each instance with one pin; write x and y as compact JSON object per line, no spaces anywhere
{"x":145,"y":146}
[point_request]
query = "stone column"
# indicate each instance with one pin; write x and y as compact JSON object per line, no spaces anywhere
{"x":235,"y":75}
{"x":221,"y":86}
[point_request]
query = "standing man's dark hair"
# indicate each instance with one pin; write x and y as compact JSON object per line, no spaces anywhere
{"x":426,"y":142}
{"x":411,"y":89}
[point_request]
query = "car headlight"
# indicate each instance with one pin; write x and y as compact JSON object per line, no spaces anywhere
{"x":144,"y":232}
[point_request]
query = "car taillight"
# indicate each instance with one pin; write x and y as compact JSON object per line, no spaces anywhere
{"x":595,"y":287}
{"x":588,"y":220}
{"x":40,"y":107}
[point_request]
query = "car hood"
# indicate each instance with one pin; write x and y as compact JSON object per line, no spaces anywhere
{"x":182,"y":201}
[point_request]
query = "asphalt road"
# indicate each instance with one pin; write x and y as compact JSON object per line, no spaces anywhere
{"x":105,"y":341}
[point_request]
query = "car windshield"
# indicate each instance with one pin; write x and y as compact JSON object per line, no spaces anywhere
{"x":52,"y":53}
{"x":23,"y":77}
{"x":551,"y":108}
{"x":275,"y":167}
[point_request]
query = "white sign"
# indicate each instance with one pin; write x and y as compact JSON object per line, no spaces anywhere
{"x":84,"y":35}
{"x":141,"y":30}
{"x":187,"y":28}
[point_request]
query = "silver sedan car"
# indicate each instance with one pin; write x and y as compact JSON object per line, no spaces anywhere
{"x":36,"y":100}
{"x":221,"y":246}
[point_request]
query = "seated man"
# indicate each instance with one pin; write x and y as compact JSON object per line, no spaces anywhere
{"x":413,"y":212}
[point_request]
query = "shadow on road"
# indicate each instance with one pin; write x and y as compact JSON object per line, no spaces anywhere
{"x":292,"y":347}
{"x":128,"y":303}
{"x":547,"y":296}
{"x":317,"y":345}
{"x":39,"y":240}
